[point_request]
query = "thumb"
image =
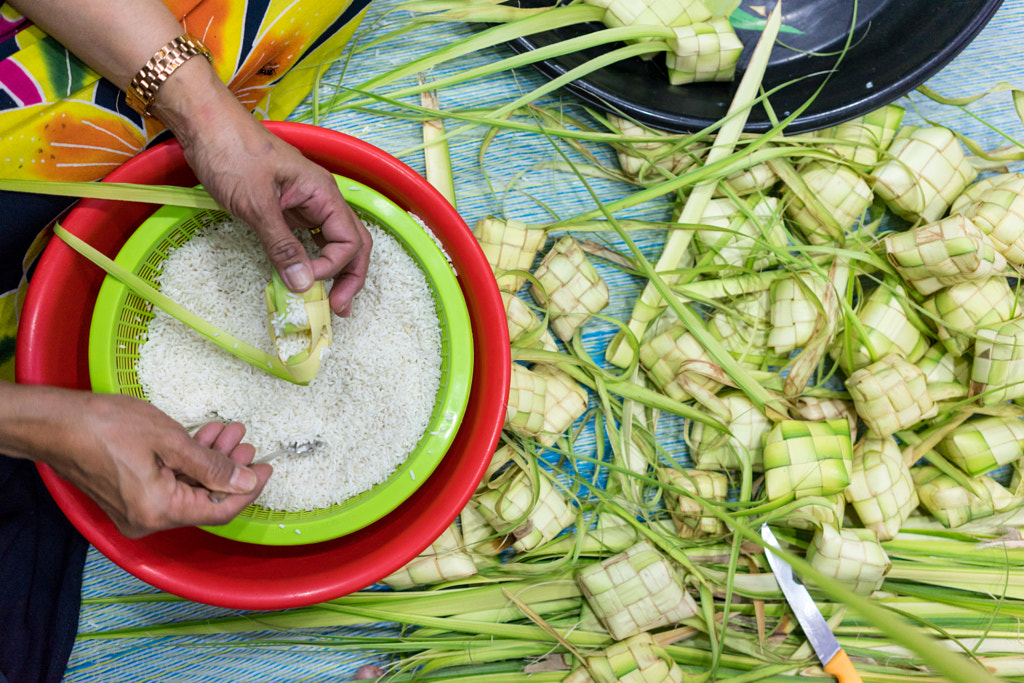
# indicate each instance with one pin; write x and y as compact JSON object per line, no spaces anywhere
{"x":211,"y":469}
{"x":286,"y":254}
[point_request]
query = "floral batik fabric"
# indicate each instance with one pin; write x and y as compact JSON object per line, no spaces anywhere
{"x":60,"y":121}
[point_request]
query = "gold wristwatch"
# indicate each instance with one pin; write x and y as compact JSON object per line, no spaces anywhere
{"x":159,"y":68}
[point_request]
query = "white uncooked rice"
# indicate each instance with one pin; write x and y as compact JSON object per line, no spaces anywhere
{"x":355,"y":423}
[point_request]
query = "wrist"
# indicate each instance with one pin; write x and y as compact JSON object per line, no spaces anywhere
{"x":196,"y":106}
{"x":147,"y":82}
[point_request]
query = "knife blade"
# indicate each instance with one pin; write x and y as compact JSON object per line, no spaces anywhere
{"x":814,"y":626}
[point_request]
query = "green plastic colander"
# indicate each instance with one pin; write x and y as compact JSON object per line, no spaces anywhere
{"x":121,"y":318}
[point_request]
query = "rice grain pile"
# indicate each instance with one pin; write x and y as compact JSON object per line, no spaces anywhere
{"x":355,"y":423}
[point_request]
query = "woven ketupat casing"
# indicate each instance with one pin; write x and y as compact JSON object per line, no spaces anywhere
{"x":652,"y":12}
{"x":734,"y":241}
{"x":795,"y":309}
{"x":531,"y":509}
{"x":998,"y":211}
{"x":984,"y":443}
{"x":818,"y":511}
{"x":690,"y":516}
{"x":853,"y":556}
{"x":638,"y":659}
{"x":891,"y":395}
{"x":674,"y":359}
{"x":636,"y":591}
{"x":969,"y":305}
{"x":843,"y":195}
{"x":508,"y":245}
{"x":569,"y":286}
{"x":886,"y":329}
{"x":954,"y":504}
{"x":527,"y":395}
{"x":705,"y":51}
{"x":807,"y":458}
{"x":743,"y":443}
{"x":925,"y":171}
{"x":946,"y":253}
{"x":881,"y":488}
{"x":443,"y":560}
{"x":997,"y":373}
{"x":565,"y":401}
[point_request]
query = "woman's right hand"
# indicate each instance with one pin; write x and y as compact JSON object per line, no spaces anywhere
{"x":140,"y":466}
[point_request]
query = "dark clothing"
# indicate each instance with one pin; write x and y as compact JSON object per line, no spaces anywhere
{"x":41,"y":561}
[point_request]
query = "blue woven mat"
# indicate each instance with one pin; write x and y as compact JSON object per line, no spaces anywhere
{"x":512,"y":181}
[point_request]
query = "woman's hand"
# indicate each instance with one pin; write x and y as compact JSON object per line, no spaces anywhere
{"x":140,"y":466}
{"x":267,"y":183}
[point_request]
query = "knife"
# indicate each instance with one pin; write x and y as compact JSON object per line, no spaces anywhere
{"x":825,"y":645}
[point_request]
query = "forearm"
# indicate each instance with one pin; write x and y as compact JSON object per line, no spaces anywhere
{"x":114,"y":37}
{"x":32,"y":421}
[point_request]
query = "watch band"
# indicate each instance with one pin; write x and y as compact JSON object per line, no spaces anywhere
{"x":158,"y":69}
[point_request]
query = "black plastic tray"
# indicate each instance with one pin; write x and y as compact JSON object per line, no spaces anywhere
{"x":897,"y":45}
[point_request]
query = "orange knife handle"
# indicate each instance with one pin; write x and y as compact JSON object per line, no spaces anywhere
{"x":841,"y":667}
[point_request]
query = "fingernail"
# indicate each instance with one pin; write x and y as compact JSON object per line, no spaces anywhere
{"x":243,"y":480}
{"x":297,"y":277}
